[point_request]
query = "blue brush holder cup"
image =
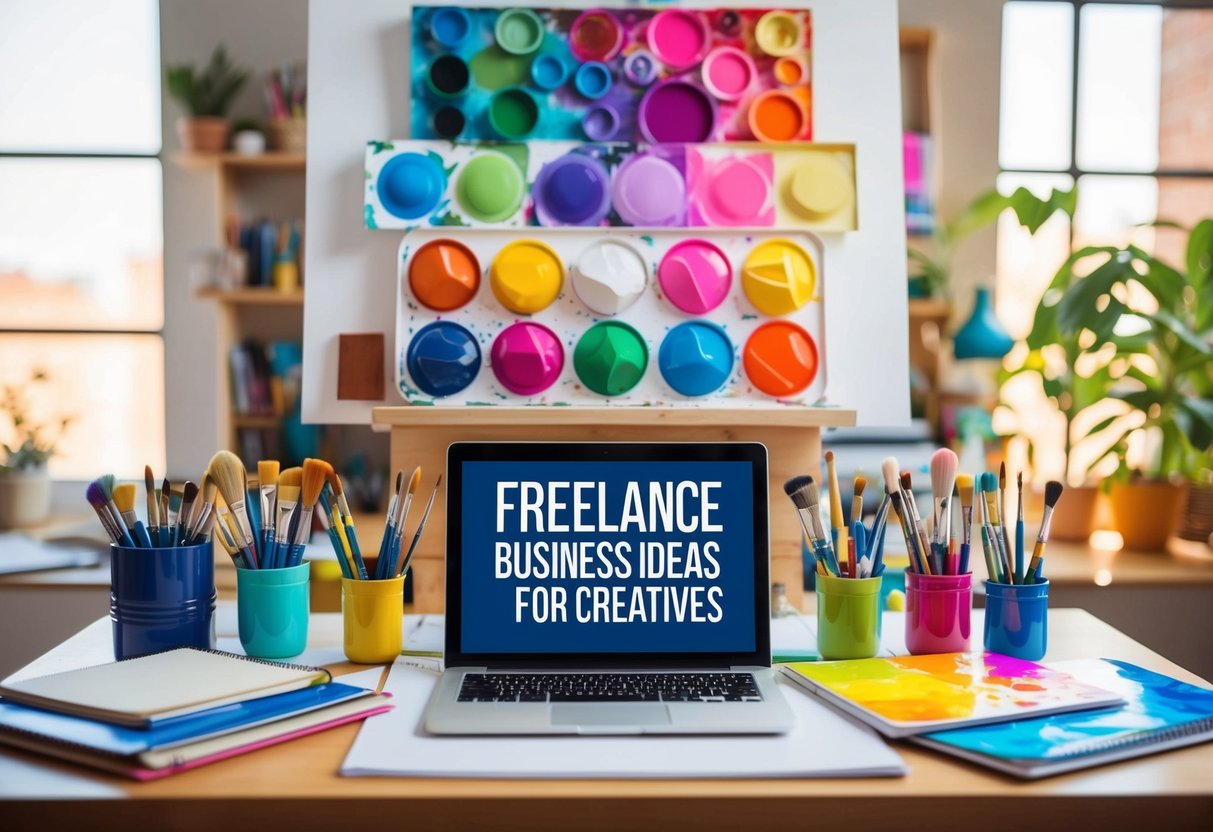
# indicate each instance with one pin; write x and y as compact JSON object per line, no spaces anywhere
{"x":161,"y":599}
{"x":1017,"y":619}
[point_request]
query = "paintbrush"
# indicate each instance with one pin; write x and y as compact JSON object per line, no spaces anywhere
{"x":189,"y":498}
{"x":892,"y":490}
{"x":286,"y":495}
{"x":153,"y":504}
{"x":231,"y":478}
{"x":95,"y":495}
{"x":425,"y":515}
{"x":989,"y":485}
{"x":267,"y":477}
{"x":176,"y":497}
{"x":336,"y":530}
{"x":342,"y":508}
{"x":803,"y":493}
{"x":858,"y":485}
{"x":315,"y":475}
{"x":252,"y":504}
{"x":1002,"y":523}
{"x":987,"y":538}
{"x":388,"y":529}
{"x":1019,"y":551}
{"x":838,"y":527}
{"x":202,"y":509}
{"x":166,"y":489}
{"x":107,"y":483}
{"x":402,"y":512}
{"x":944,"y":464}
{"x":964,"y":485}
{"x":910,"y":507}
{"x":124,"y":499}
{"x":1053,"y":491}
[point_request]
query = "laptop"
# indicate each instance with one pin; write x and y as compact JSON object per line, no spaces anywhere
{"x":607,"y":588}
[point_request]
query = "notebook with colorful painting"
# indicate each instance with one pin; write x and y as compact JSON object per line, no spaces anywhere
{"x":1162,"y":713}
{"x":907,"y":695}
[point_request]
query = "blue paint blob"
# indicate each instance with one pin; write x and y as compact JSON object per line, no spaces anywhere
{"x":696,"y":358}
{"x":593,"y":79}
{"x":410,"y":185}
{"x":548,"y":72}
{"x":443,"y":358}
{"x":450,"y":26}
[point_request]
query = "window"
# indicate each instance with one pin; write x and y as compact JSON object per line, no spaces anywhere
{"x":1118,"y":98}
{"x":81,"y":226}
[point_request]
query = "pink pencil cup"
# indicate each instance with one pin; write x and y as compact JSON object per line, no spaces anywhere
{"x":937,"y":613}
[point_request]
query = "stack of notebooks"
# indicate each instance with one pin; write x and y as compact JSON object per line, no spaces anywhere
{"x":1019,"y":717}
{"x":157,"y":715}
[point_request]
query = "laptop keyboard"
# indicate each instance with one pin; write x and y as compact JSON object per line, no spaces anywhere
{"x":609,"y":687}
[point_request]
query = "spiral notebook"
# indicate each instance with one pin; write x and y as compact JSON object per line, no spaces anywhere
{"x":1162,"y":713}
{"x":140,"y":692}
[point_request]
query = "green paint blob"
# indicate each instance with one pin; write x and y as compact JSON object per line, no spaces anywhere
{"x":519,"y":31}
{"x":490,"y":188}
{"x":513,"y":113}
{"x":494,"y":68}
{"x":610,"y":358}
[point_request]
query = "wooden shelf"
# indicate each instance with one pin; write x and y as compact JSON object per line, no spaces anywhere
{"x":253,"y":296}
{"x":239,"y":162}
{"x":929,"y":308}
{"x":691,"y":417}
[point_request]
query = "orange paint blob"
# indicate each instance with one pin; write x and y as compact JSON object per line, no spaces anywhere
{"x":777,"y":116}
{"x":444,"y":275}
{"x":780,"y":358}
{"x":789,"y":71}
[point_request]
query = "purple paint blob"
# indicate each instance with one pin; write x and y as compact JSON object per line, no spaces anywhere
{"x":649,"y":191}
{"x":675,"y":111}
{"x":572,"y":190}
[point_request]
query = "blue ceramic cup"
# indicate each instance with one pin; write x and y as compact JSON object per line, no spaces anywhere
{"x":272,"y":608}
{"x":161,"y":599}
{"x":1017,"y":619}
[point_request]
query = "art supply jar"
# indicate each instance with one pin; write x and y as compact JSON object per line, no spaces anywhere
{"x":938,"y":610}
{"x":373,"y":614}
{"x":1017,"y":619}
{"x":848,"y":617}
{"x":161,"y":599}
{"x":272,"y":609}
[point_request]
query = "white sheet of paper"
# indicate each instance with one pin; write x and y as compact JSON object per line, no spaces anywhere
{"x":823,"y":744}
{"x":22,"y":553}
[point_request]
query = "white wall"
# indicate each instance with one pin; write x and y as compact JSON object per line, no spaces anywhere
{"x":357,"y":56}
{"x":259,"y":34}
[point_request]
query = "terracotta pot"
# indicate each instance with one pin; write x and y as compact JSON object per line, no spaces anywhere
{"x":1146,"y":512}
{"x":25,"y":498}
{"x":1074,"y":519}
{"x":1197,"y":522}
{"x":203,"y":134}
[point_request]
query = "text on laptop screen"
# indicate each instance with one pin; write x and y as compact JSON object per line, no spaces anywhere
{"x":607,"y":557}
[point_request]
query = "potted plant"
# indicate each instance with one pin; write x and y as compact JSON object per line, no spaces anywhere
{"x":1158,"y":355}
{"x":206,"y":97}
{"x":25,"y":486}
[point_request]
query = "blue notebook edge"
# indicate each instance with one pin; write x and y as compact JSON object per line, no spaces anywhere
{"x":1162,"y":713}
{"x":119,"y":740}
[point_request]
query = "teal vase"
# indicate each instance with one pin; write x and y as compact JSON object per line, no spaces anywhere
{"x":983,"y":335}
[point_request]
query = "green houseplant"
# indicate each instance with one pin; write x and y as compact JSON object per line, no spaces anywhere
{"x":1148,"y":326}
{"x":24,"y":481}
{"x":207,"y":97}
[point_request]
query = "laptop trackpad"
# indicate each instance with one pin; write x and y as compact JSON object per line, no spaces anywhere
{"x":608,"y":713}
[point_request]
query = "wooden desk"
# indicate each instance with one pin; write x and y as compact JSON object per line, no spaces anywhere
{"x":295,"y":787}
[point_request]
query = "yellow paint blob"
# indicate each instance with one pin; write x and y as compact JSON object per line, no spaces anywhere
{"x":819,"y":186}
{"x":526,"y":276}
{"x":778,"y":277}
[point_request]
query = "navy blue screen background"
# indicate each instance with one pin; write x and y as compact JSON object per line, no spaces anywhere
{"x":488,"y":624}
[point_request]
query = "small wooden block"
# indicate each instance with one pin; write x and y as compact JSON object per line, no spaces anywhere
{"x":360,"y":366}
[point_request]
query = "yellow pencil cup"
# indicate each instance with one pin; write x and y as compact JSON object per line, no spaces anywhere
{"x":373,"y":612}
{"x":285,"y":275}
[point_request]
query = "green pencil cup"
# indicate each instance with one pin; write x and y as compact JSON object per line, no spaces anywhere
{"x":848,"y":617}
{"x":272,"y":608}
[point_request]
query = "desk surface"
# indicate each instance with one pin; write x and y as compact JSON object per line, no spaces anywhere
{"x":298,"y":781}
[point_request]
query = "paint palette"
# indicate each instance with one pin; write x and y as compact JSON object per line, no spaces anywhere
{"x":576,"y":185}
{"x":669,"y":75}
{"x":610,"y":317}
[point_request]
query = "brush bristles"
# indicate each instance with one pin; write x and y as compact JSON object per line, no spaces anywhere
{"x":415,"y":480}
{"x":964,"y":485}
{"x":861,"y":482}
{"x":888,"y":469}
{"x":315,"y":475}
{"x":989,"y":481}
{"x":124,"y":497}
{"x":291,"y":477}
{"x":799,"y":490}
{"x":944,"y":463}
{"x":176,"y":495}
{"x":907,"y":484}
{"x":107,"y":482}
{"x":1002,"y":475}
{"x":399,"y":481}
{"x":95,"y":495}
{"x":1019,"y":481}
{"x":149,"y":479}
{"x":267,"y":471}
{"x":1053,"y":491}
{"x":228,"y":474}
{"x":335,"y":482}
{"x":208,"y":489}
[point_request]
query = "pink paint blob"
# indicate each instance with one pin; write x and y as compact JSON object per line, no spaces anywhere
{"x":678,"y":37}
{"x":728,"y":73}
{"x":731,"y":192}
{"x":527,"y":358}
{"x":695,"y":275}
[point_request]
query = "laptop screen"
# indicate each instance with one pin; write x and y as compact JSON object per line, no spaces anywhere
{"x":600,"y":556}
